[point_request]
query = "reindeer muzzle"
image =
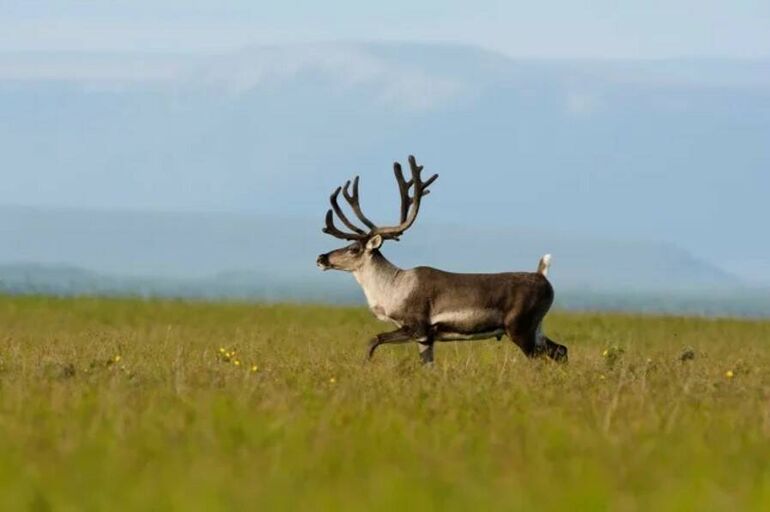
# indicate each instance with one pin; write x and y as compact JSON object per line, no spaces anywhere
{"x":323,"y":262}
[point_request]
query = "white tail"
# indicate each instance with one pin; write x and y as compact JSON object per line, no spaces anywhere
{"x":544,"y":265}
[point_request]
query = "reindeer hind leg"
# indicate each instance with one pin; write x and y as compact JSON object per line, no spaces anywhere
{"x":525,"y":340}
{"x":524,"y":331}
{"x":555,"y":351}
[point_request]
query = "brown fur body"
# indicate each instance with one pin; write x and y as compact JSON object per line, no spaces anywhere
{"x":429,"y":305}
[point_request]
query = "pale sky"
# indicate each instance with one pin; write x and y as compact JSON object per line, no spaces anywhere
{"x":552,"y":29}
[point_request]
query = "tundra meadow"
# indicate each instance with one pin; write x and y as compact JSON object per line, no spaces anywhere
{"x":169,"y":405}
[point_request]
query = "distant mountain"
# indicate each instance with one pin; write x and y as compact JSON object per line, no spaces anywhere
{"x":256,"y":257}
{"x":197,"y":246}
{"x":671,"y":150}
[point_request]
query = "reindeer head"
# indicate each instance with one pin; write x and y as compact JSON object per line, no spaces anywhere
{"x":365,"y":244}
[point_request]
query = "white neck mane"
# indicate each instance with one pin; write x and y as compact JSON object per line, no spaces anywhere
{"x":385,"y":286}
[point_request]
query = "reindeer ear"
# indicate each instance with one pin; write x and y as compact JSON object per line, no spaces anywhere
{"x":374,"y":243}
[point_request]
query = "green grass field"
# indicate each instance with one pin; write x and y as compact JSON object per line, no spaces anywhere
{"x":123,"y":404}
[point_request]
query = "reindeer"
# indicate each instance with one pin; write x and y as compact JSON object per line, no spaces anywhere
{"x":427,"y":304}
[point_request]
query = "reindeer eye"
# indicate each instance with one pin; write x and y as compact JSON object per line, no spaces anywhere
{"x":355,"y":249}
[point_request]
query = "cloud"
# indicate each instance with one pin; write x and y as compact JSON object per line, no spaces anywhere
{"x":346,"y":66}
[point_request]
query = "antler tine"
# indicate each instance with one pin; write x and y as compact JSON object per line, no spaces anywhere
{"x":413,"y":164}
{"x":416,"y":169}
{"x":403,"y":189}
{"x":331,"y":229}
{"x":353,"y":200}
{"x":410,"y":206}
{"x":341,"y":214}
{"x":426,"y":184}
{"x":423,"y":185}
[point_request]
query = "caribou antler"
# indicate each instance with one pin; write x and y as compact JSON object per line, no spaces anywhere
{"x":354,"y":204}
{"x":410,"y":206}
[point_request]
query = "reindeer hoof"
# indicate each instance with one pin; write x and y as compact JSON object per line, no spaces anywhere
{"x":559,"y":354}
{"x":372,"y":347}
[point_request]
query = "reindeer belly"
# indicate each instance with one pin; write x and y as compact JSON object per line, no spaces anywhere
{"x":459,"y":336}
{"x":468,"y":324}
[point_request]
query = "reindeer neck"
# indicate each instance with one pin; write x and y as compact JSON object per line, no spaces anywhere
{"x":379,"y":279}
{"x":377,"y":271}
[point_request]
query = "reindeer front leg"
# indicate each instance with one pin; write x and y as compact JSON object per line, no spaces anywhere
{"x":425,"y":338}
{"x":401,"y":335}
{"x":426,"y":351}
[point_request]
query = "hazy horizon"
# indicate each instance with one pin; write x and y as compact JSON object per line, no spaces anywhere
{"x":242,"y":256}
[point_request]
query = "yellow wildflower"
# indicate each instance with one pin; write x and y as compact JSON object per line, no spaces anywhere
{"x":254,"y":368}
{"x":332,"y":380}
{"x":729,"y":374}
